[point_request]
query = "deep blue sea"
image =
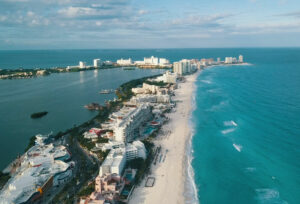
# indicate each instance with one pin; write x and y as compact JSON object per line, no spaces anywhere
{"x":247,"y":130}
{"x":246,"y":146}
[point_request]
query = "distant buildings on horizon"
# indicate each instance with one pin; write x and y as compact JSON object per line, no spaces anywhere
{"x":181,"y":67}
{"x":186,"y":66}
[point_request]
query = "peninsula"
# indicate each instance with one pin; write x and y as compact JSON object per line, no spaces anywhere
{"x":130,"y":152}
{"x":150,"y":63}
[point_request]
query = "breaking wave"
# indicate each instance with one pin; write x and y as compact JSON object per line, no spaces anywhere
{"x":224,"y":132}
{"x":237,"y":147}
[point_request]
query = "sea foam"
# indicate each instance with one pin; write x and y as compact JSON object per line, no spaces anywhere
{"x":267,"y":195}
{"x":230,"y":123}
{"x":224,"y":132}
{"x":190,"y":194}
{"x":206,"y":81}
{"x":237,"y":147}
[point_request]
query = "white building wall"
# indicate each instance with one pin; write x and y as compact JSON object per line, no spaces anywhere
{"x":82,"y":65}
{"x":97,"y":62}
{"x":124,"y":61}
{"x":241,"y":59}
{"x":151,"y":61}
{"x":163,"y":61}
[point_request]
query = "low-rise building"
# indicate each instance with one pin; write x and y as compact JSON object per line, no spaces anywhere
{"x":135,"y":150}
{"x":163,"y":62}
{"x":146,"y":89}
{"x":124,"y":61}
{"x":150,"y":98}
{"x":168,"y":77}
{"x":114,"y":162}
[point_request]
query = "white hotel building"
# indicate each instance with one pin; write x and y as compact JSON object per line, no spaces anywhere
{"x":82,"y":65}
{"x":128,"y":121}
{"x":153,"y":61}
{"x":97,"y":62}
{"x":124,"y":61}
{"x":117,"y":157}
{"x":114,"y":162}
{"x":182,"y":67}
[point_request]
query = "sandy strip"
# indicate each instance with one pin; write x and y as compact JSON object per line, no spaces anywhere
{"x":170,"y":173}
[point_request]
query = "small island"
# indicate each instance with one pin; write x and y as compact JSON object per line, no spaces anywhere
{"x":38,"y":114}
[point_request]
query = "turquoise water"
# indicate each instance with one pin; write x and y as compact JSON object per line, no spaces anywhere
{"x":247,"y":130}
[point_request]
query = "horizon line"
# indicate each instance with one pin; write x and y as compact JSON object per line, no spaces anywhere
{"x":37,"y":49}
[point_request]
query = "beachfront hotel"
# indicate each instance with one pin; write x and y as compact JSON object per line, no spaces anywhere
{"x":168,"y":77}
{"x":117,"y":157}
{"x":128,"y":121}
{"x":183,"y":67}
{"x":114,"y":162}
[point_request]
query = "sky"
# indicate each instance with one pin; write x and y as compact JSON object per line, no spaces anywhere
{"x":113,"y":24}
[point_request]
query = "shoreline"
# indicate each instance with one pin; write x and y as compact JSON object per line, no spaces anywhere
{"x":171,"y":175}
{"x":190,"y":189}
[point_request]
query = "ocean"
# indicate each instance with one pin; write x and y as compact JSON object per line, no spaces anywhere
{"x":246,"y":142}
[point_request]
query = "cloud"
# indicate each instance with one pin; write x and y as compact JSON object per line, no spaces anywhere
{"x":129,"y":22}
{"x":77,"y":11}
{"x":291,"y":14}
{"x":142,"y":12}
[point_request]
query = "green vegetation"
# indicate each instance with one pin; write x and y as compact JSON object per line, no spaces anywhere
{"x":3,"y":179}
{"x":38,"y":114}
{"x":124,"y":92}
{"x":87,"y":190}
{"x":29,"y":73}
{"x":85,"y":142}
{"x":102,"y":140}
{"x":157,"y":83}
{"x":102,"y":154}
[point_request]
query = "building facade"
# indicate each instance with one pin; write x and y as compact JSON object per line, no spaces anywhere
{"x":124,"y":61}
{"x":97,"y":62}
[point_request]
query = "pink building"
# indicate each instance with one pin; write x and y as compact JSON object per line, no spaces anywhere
{"x":107,"y":188}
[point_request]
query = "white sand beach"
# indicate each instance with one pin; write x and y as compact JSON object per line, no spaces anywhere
{"x":170,"y":170}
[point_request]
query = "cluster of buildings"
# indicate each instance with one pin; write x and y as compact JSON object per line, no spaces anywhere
{"x":96,"y":64}
{"x":35,"y":173}
{"x":136,"y":120}
{"x":234,"y":60}
{"x":148,"y":61}
{"x":186,"y":66}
